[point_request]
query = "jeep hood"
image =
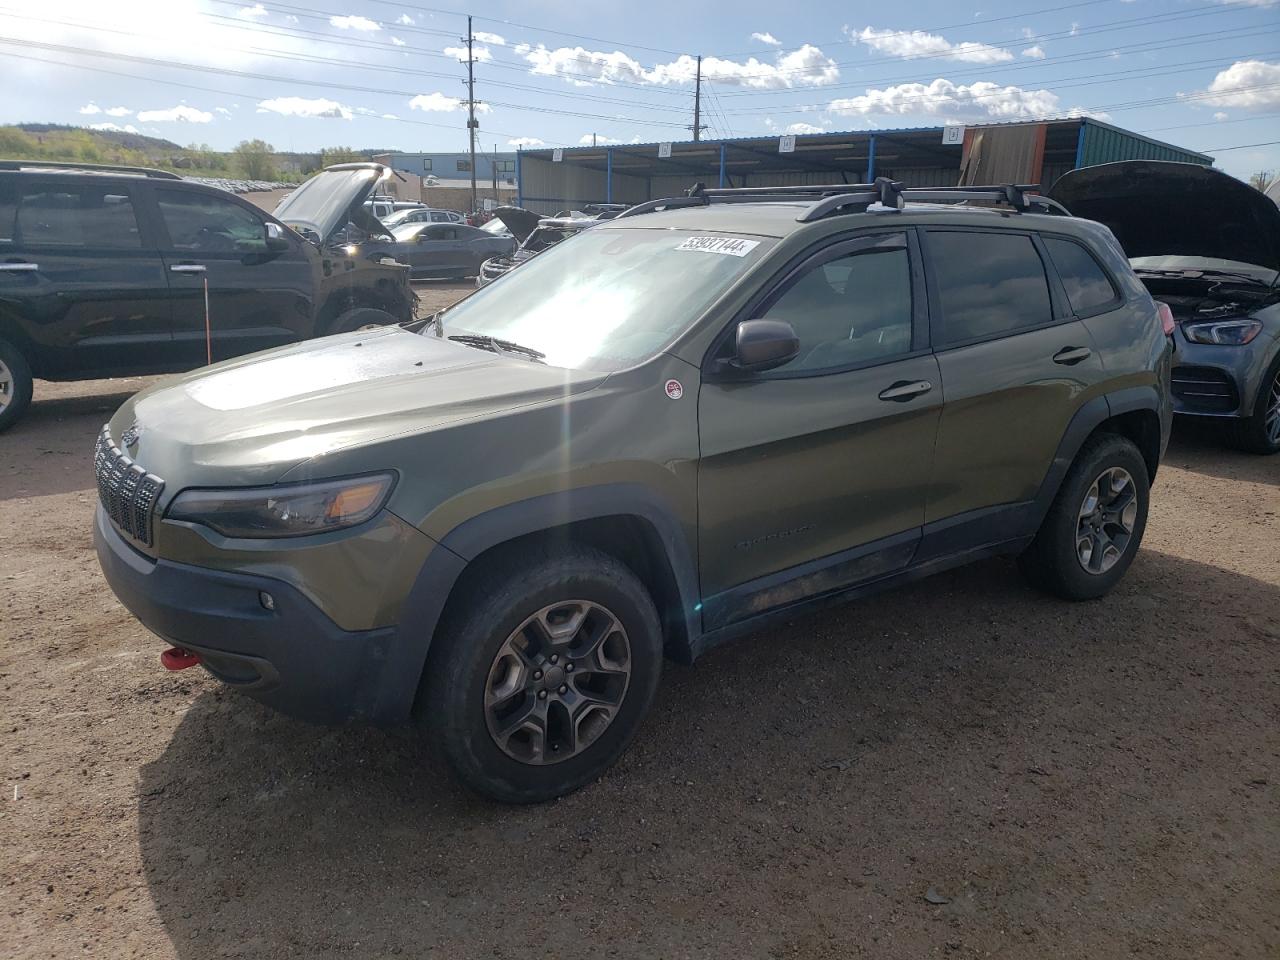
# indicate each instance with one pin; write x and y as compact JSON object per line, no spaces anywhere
{"x":1157,"y":208}
{"x":248,"y":421}
{"x":518,"y":220}
{"x":331,"y":198}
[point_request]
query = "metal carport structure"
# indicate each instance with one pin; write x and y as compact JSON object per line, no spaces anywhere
{"x":633,"y":173}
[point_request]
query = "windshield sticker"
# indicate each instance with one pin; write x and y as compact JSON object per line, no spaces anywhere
{"x":732,"y":246}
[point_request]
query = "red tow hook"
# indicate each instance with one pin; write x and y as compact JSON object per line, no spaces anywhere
{"x":175,"y":658}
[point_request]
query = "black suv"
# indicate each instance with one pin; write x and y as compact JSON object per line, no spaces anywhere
{"x":120,"y":271}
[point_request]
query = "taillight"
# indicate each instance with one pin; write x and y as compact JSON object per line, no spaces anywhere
{"x":1166,"y":318}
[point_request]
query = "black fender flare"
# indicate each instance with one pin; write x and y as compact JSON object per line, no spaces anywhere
{"x":445,"y":564}
{"x":1088,"y":418}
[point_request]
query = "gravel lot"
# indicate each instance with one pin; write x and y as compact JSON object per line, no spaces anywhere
{"x":1093,"y":780}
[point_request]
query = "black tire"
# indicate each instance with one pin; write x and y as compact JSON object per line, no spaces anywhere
{"x":15,"y":386}
{"x":1053,"y":562}
{"x":361,"y":317}
{"x":1251,"y":434}
{"x":496,"y":600}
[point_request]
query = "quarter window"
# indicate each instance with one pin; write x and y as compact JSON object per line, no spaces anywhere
{"x":78,"y":216}
{"x":990,"y":284}
{"x":851,"y":310}
{"x":1087,"y":285}
{"x":198,"y":221}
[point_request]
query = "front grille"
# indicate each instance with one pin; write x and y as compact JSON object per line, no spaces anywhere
{"x":1206,"y":389}
{"x":128,"y":493}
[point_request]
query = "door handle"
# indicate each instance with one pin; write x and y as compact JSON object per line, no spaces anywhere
{"x":1072,"y":355}
{"x":905,"y":390}
{"x":187,"y":268}
{"x":20,"y":267}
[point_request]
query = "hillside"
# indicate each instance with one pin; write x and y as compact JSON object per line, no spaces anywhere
{"x":121,"y":138}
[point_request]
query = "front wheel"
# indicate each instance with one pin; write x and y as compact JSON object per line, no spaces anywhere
{"x":362,"y":318}
{"x":15,"y":384}
{"x":542,"y":672}
{"x":1091,"y":533}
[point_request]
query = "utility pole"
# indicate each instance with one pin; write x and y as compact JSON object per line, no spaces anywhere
{"x":494,"y":169}
{"x":697,"y":103}
{"x":471,"y":110}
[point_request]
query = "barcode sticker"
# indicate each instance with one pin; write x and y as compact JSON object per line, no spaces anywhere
{"x":732,"y":246}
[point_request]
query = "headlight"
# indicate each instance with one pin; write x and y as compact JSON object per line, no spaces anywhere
{"x":287,"y":510}
{"x":1233,"y":333}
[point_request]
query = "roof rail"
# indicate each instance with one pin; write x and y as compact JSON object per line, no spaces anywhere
{"x":90,"y":167}
{"x":825,"y":199}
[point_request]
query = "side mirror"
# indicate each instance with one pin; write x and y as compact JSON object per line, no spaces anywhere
{"x":763,"y":345}
{"x":275,"y":238}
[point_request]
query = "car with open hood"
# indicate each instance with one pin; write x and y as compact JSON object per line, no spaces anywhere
{"x":445,"y":250}
{"x":686,"y":423}
{"x":1208,"y":245}
{"x":119,"y":271}
{"x":534,"y":233}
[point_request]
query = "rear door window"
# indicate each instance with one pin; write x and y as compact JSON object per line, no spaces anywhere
{"x":1088,"y":287}
{"x":990,"y":284}
{"x":88,"y":215}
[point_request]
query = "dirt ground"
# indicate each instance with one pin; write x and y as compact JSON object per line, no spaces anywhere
{"x":1094,"y":780}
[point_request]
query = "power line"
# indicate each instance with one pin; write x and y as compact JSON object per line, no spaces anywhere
{"x":1241,"y":146}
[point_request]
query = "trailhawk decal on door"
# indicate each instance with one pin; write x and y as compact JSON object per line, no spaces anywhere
{"x":732,"y":246}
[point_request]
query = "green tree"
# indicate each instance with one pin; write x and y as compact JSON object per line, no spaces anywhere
{"x":1262,"y":180}
{"x":256,"y":159}
{"x":331,"y":155}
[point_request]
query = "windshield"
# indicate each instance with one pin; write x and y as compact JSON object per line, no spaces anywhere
{"x":607,"y":298}
{"x":407,"y":231}
{"x":497,"y":228}
{"x":392,"y":219}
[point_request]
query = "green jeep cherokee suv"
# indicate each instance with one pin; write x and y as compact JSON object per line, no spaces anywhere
{"x":669,"y":430}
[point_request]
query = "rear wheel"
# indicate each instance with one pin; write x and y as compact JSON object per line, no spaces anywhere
{"x":15,"y":384}
{"x":1260,"y":431}
{"x":1091,"y":533}
{"x":542,"y":672}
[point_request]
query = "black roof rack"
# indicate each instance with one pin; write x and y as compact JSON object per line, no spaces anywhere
{"x":888,"y":195}
{"x":89,"y":167}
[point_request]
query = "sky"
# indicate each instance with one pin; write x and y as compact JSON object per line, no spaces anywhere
{"x":1203,"y":74}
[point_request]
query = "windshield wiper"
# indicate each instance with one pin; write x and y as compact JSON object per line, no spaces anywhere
{"x":495,"y":345}
{"x":1197,"y":273}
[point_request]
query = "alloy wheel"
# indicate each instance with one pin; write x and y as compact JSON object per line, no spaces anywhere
{"x":1271,"y":416}
{"x":1106,"y":520}
{"x":6,"y":386}
{"x":557,"y":682}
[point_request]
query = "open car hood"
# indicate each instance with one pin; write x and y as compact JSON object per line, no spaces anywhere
{"x":331,"y":199}
{"x":518,"y":220}
{"x":1156,"y":208}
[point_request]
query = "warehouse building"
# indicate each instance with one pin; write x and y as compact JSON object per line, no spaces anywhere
{"x":551,"y":180}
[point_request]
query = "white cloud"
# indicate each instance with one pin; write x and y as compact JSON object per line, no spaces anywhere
{"x":1238,"y":86}
{"x":592,"y":139}
{"x":114,"y":128}
{"x":396,"y":41}
{"x":389,"y":116}
{"x":292,"y":19}
{"x":1250,"y":3}
{"x":481,"y":53}
{"x":318,"y":108}
{"x":1221,"y":116}
{"x":495,"y":38}
{"x":439,"y":103}
{"x":526,"y":142}
{"x":222,"y":110}
{"x":405,"y":20}
{"x":1075,"y":28}
{"x":256,"y":12}
{"x":179,"y":114}
{"x":805,"y":66}
{"x":917,"y":43}
{"x":944,"y":98}
{"x":1027,"y":33}
{"x":90,"y":108}
{"x":363,"y":24}
{"x":768,"y":38}
{"x":1035,"y":53}
{"x":804,"y":128}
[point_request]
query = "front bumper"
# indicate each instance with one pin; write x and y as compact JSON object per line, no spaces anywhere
{"x":292,"y":658}
{"x":1217,"y":381}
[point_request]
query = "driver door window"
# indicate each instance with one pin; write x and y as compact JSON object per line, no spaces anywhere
{"x":853,"y":310}
{"x":201,"y":223}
